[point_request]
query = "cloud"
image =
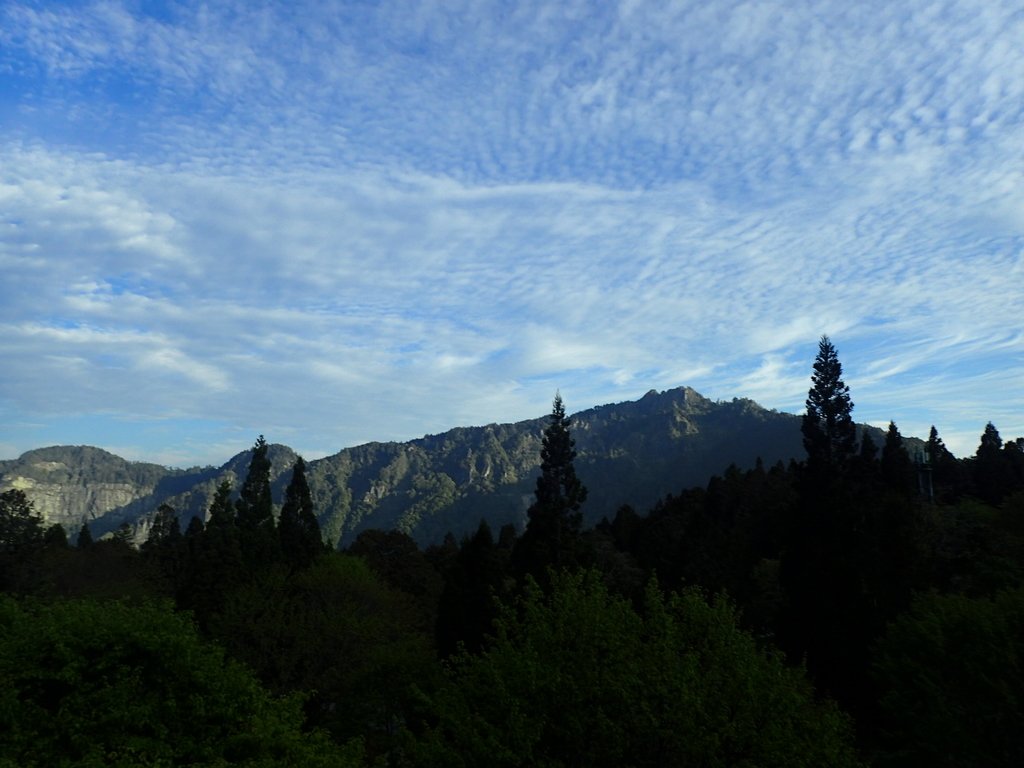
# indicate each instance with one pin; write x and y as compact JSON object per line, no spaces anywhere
{"x":344,"y":223}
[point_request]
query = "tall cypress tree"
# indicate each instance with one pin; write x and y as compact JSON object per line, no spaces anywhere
{"x":552,"y":533}
{"x":297,"y":527}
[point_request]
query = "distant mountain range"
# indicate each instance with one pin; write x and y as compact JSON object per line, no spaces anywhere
{"x":628,"y":453}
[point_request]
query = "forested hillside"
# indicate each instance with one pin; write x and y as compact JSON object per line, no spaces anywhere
{"x":853,"y":607}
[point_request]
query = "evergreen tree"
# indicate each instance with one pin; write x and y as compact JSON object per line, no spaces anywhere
{"x":868,"y":449}
{"x":947,"y":474}
{"x":55,"y":537}
{"x":830,"y":436}
{"x":84,"y":540}
{"x":298,"y":529}
{"x":255,"y":506}
{"x":467,"y":607}
{"x":992,"y":470}
{"x":221,"y":513}
{"x":165,"y":547}
{"x":828,"y":614}
{"x":898,"y":472}
{"x":215,"y":564}
{"x":255,"y":512}
{"x":552,"y":533}
{"x":21,"y":539}
{"x":165,"y":528}
{"x":20,"y":527}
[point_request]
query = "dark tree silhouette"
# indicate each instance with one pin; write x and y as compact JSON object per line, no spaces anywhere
{"x":84,"y":540}
{"x":552,"y":533}
{"x":830,"y":436}
{"x":255,"y":506}
{"x":898,"y":471}
{"x":297,"y":528}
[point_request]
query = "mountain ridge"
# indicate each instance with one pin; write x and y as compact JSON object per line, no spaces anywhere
{"x":633,"y":452}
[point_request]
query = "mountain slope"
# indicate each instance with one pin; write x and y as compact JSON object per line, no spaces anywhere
{"x":633,"y":452}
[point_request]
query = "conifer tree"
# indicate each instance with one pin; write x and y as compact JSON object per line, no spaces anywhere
{"x":21,"y":529}
{"x":827,"y":615}
{"x":216,"y":564}
{"x":164,"y":529}
{"x":830,"y":436}
{"x":552,"y":533}
{"x":897,"y":468}
{"x":255,"y":507}
{"x":948,"y":476}
{"x":84,"y":540}
{"x":55,"y":537}
{"x":991,"y":469}
{"x":297,"y":528}
{"x":21,"y":539}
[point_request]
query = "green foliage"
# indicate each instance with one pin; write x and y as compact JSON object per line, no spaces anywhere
{"x":88,"y":683}
{"x":472,"y":584}
{"x":336,"y":631}
{"x":214,"y":560}
{"x":21,"y":541}
{"x":21,"y":529}
{"x":578,"y":677}
{"x":396,"y":559}
{"x":952,"y":675}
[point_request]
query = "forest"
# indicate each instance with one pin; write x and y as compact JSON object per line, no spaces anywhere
{"x":859,"y":607}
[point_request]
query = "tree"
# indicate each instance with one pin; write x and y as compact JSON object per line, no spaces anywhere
{"x":577,"y":677}
{"x":992,"y":469}
{"x":830,"y":436}
{"x":91,"y":683}
{"x":336,"y":632}
{"x":467,"y":605}
{"x":164,"y":529}
{"x":255,"y":512}
{"x":55,"y":537}
{"x":84,"y":540}
{"x":165,"y":547}
{"x":952,"y":682}
{"x":947,"y":474}
{"x":297,"y":528}
{"x":552,"y":533}
{"x":21,"y":541}
{"x":255,"y":506}
{"x":215,"y":564}
{"x":828,"y":616}
{"x":21,"y":529}
{"x":898,"y":471}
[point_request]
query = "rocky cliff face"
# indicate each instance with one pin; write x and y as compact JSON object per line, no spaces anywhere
{"x":71,"y":485}
{"x":70,"y":505}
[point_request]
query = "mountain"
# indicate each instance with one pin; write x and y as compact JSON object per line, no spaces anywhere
{"x":633,"y":452}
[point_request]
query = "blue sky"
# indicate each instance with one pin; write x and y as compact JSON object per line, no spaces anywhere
{"x":339,"y":222}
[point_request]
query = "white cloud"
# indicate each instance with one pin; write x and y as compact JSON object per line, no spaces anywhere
{"x":364,"y":223}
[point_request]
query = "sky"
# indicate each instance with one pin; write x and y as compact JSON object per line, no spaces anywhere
{"x":341,"y":222}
